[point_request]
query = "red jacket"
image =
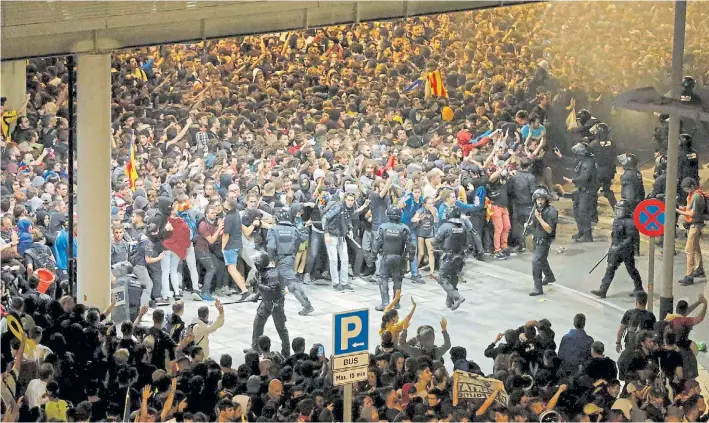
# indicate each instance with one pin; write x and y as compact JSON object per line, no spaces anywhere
{"x":179,"y":241}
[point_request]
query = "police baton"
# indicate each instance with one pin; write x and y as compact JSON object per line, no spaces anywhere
{"x":601,"y":261}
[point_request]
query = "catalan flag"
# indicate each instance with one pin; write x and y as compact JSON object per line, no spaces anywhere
{"x":131,"y":170}
{"x":434,"y":82}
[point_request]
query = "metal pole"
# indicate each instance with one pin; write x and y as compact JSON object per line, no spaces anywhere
{"x":71,"y":144}
{"x":666,"y":299}
{"x":651,"y":274}
{"x":347,"y":405}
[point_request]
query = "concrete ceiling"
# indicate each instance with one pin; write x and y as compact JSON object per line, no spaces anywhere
{"x":34,"y":28}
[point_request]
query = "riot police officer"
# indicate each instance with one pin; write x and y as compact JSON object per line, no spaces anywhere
{"x":521,"y":186}
{"x":604,"y":152}
{"x":661,"y":134}
{"x":272,"y":299}
{"x":584,"y":199}
{"x":660,"y":175}
{"x":282,"y":242}
{"x":453,"y":240}
{"x":631,"y":185}
{"x":586,"y":124}
{"x":543,"y":229}
{"x":623,"y":239}
{"x":688,"y":164}
{"x":393,"y":242}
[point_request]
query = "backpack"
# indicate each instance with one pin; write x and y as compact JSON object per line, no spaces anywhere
{"x":191,"y":222}
{"x":42,"y":257}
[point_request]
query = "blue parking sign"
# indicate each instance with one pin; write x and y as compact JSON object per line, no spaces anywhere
{"x":350,"y":331}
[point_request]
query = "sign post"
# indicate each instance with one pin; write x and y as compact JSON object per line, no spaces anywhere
{"x":649,"y":219}
{"x":350,"y":336}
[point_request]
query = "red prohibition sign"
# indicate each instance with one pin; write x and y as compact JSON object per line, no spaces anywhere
{"x":649,"y":217}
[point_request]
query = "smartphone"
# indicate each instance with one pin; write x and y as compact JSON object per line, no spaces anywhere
{"x":321,"y":351}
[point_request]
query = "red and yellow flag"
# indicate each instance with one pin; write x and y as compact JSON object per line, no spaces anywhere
{"x":131,"y":170}
{"x":435,"y":83}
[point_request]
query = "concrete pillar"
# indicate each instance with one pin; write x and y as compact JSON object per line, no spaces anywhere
{"x":13,"y":83}
{"x":94,"y":179}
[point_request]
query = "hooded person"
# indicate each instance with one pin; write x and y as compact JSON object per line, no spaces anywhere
{"x":24,"y":233}
{"x":426,"y":345}
{"x":42,"y":221}
{"x":224,"y":181}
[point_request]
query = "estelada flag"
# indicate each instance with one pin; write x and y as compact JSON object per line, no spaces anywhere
{"x":131,"y":170}
{"x":435,"y":83}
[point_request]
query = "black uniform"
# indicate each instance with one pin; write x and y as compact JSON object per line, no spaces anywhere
{"x":687,"y":167}
{"x":521,"y":186}
{"x":453,"y":240}
{"x":605,"y":154}
{"x":584,"y":200}
{"x":269,"y":284}
{"x":282,"y":242}
{"x":631,"y":187}
{"x":661,"y":134}
{"x":623,"y":239}
{"x":542,"y":244}
{"x":393,"y":243}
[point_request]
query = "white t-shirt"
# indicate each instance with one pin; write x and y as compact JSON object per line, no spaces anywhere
{"x":35,"y":390}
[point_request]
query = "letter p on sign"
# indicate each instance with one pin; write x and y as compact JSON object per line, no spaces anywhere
{"x":350,"y":332}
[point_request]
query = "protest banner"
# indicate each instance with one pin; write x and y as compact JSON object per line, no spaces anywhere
{"x":472,"y":386}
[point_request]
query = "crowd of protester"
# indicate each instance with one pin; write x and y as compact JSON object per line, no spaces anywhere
{"x":222,"y":134}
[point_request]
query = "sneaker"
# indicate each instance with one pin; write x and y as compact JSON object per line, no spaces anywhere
{"x":634,"y":293}
{"x":178,"y":296}
{"x":686,"y":281}
{"x":699,"y":273}
{"x":338,"y":288}
{"x":306,"y":279}
{"x":457,"y":303}
{"x":501,"y":256}
{"x":372,"y":279}
{"x":418,"y":280}
{"x":152,"y":304}
{"x":380,"y":307}
{"x":206,"y":297}
{"x":347,"y":287}
{"x":599,"y":293}
{"x":162,"y":301}
{"x":548,"y":281}
{"x":306,"y":310}
{"x":195,"y":296}
{"x":245,"y":296}
{"x":535,"y":293}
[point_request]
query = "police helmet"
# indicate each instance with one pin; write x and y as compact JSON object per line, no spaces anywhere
{"x":663,"y":117}
{"x":624,"y":206}
{"x":452,"y":212}
{"x":540,"y":193}
{"x":283,"y":215}
{"x":583,"y":116}
{"x":261,"y":260}
{"x":628,"y":161}
{"x":662,"y":164}
{"x":580,"y":149}
{"x":685,"y":140}
{"x":394,"y":214}
{"x":603,"y":131}
{"x":689,"y":83}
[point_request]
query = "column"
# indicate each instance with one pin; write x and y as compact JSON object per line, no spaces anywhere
{"x":13,"y":83}
{"x":94,"y":179}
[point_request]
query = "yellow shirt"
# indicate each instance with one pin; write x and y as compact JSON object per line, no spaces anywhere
{"x":7,"y":118}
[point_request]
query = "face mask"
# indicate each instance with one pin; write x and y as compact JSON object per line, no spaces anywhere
{"x":332,"y":190}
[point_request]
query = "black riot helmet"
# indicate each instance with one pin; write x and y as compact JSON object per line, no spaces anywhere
{"x":541,"y":192}
{"x":394,"y":214}
{"x":663,"y":117}
{"x":580,"y":149}
{"x":283,"y":215}
{"x":661,"y":165}
{"x":622,"y":208}
{"x":603,"y":131}
{"x":261,"y":260}
{"x":689,"y":83}
{"x":628,"y":161}
{"x":452,"y":212}
{"x":583,"y":116}
{"x":685,"y":141}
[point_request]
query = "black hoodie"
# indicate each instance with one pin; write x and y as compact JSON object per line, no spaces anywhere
{"x":156,"y":226}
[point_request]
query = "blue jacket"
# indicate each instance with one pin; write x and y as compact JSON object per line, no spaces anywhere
{"x":574,"y":350}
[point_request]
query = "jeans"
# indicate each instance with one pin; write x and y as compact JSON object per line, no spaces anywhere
{"x":212,"y":267}
{"x":191,"y":261}
{"x":141,"y":272}
{"x":415,"y":261}
{"x":501,"y":221}
{"x":247,"y":252}
{"x":337,"y":249}
{"x":315,"y":241}
{"x":168,"y":267}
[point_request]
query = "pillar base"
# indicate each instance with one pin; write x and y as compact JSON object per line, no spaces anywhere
{"x":666,"y":304}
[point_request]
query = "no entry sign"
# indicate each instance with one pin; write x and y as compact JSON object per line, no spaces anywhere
{"x":649,"y":217}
